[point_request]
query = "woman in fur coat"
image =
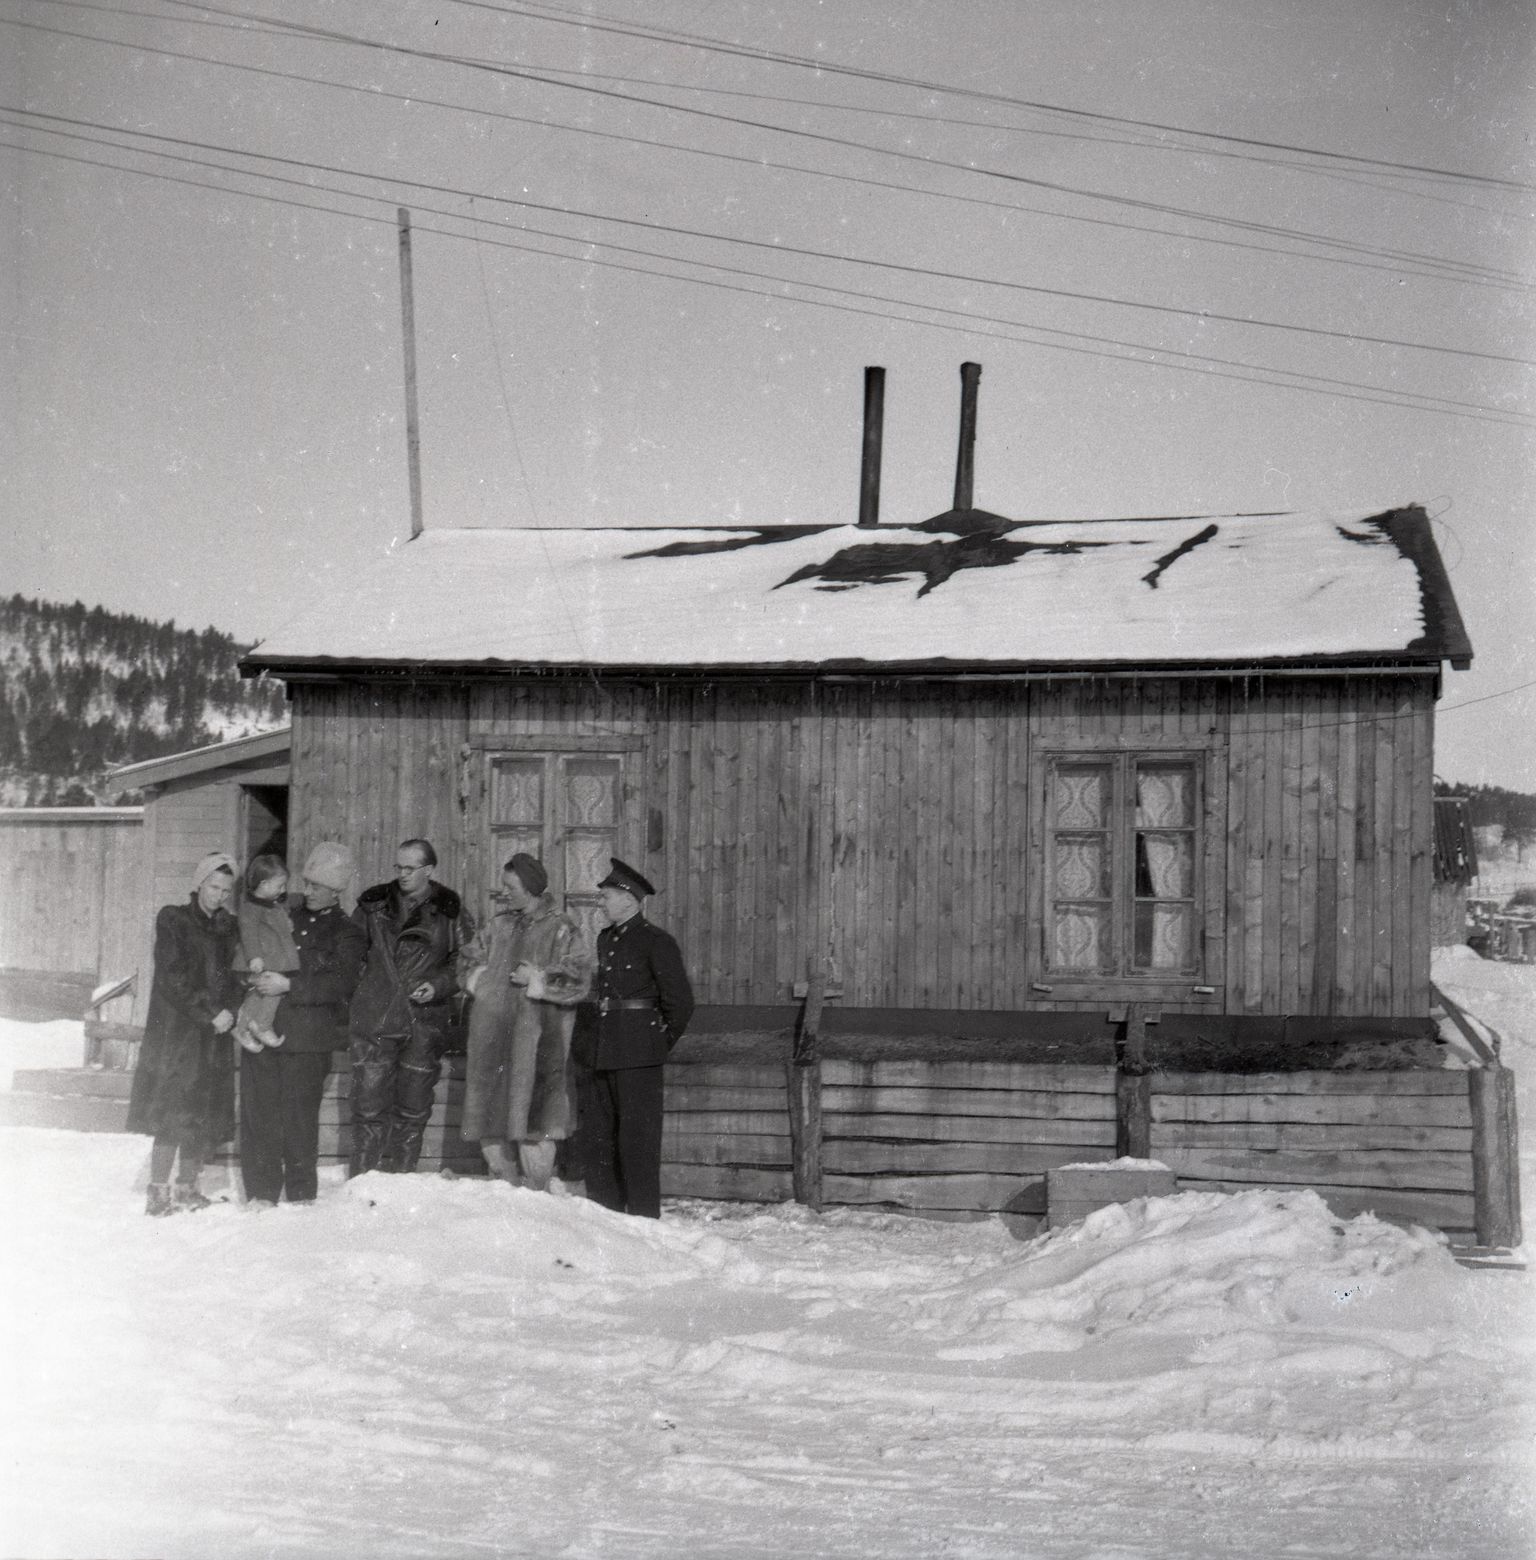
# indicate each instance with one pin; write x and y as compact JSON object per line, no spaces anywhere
{"x":526,"y":971}
{"x":184,"y":1084}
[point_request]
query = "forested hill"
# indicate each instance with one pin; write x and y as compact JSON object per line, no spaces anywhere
{"x":83,"y":689}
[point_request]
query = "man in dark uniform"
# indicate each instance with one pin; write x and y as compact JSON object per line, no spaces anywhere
{"x":643,"y":1002}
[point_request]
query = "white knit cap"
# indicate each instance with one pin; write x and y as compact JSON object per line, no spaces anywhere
{"x":211,"y":863}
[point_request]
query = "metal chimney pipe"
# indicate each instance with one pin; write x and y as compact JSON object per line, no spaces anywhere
{"x":965,"y":462}
{"x":874,"y":433}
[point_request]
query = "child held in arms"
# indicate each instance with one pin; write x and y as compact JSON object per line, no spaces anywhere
{"x":266,"y":943}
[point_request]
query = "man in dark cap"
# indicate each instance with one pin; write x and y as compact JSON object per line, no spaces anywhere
{"x":643,"y":1004}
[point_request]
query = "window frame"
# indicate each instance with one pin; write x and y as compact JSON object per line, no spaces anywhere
{"x":492,"y":836}
{"x":1203,"y":983}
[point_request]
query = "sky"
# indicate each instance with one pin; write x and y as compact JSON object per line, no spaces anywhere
{"x":1213,"y":257}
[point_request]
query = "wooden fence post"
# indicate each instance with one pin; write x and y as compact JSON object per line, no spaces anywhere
{"x":1133,"y":1087}
{"x":1495,"y":1156}
{"x":803,"y":1077}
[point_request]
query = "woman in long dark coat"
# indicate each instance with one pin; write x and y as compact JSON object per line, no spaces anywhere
{"x":184,"y":1084}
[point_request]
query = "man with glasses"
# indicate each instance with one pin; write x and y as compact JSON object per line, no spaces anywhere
{"x":399,"y":1018}
{"x":281,"y":1089}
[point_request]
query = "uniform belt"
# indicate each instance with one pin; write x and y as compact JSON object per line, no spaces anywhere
{"x":627,"y":1004}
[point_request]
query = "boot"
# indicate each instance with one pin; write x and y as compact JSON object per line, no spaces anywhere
{"x":537,"y":1162}
{"x":187,"y":1197}
{"x":160,"y":1201}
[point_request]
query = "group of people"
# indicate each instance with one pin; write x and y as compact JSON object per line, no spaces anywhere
{"x":564,"y":1042}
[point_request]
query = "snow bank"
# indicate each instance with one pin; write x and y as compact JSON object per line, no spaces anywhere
{"x":24,"y":1047}
{"x":421,"y":1366}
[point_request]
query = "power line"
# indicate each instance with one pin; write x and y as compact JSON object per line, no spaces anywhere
{"x":1105,"y":347}
{"x":1465,"y":274}
{"x":299,"y":29}
{"x":804,"y":252}
{"x":591,"y":23}
{"x":1503,"y":693}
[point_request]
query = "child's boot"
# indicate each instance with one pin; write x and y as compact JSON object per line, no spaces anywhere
{"x":160,"y":1201}
{"x":246,"y":1038}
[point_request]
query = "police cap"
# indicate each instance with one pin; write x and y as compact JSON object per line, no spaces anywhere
{"x":622,"y":875}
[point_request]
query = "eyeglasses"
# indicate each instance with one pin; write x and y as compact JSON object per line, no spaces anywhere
{"x":405,"y":868}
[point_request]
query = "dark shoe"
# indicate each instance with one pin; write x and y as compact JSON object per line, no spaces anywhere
{"x":160,"y":1201}
{"x":189,"y":1199}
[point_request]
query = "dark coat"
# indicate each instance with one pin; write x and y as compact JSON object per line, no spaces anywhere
{"x":184,"y":1083}
{"x":636,"y":962}
{"x":312,"y":1016}
{"x":406,"y":946}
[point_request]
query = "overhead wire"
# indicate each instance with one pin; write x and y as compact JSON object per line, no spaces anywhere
{"x":1400,"y":181}
{"x":803,"y":251}
{"x":1105,"y":347}
{"x":1472,"y":276}
{"x":590,"y":22}
{"x":300,"y":29}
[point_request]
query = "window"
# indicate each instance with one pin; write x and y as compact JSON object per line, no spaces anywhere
{"x":567,"y":809}
{"x":1123,"y":849}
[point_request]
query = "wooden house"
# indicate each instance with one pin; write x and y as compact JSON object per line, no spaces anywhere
{"x":989,"y":783}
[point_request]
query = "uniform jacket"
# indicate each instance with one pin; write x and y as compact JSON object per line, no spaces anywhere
{"x":184,"y":1083}
{"x":312,"y":1016}
{"x":517,"y":1083}
{"x":406,"y":946}
{"x":637,"y":961}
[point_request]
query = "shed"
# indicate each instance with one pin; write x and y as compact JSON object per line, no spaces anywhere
{"x":228,"y":796}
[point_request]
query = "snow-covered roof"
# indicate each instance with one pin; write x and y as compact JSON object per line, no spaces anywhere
{"x":966,"y":589}
{"x":217,"y":755}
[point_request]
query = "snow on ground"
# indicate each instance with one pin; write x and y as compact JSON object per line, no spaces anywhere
{"x":425,"y":1367}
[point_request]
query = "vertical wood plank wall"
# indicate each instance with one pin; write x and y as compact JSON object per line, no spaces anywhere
{"x":66,"y":881}
{"x":886,"y":826}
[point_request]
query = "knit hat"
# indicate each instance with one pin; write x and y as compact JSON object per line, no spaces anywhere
{"x":330,"y":864}
{"x":213,"y":862}
{"x":530,"y":873}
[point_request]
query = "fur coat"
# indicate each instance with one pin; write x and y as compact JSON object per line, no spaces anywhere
{"x":517,"y":1083}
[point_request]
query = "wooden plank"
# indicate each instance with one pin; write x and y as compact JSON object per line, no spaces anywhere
{"x":724,"y":1183}
{"x":1495,"y":1155}
{"x":969,"y":1129}
{"x":1239,"y":762}
{"x":1272,"y":933}
{"x":1172,"y":1135}
{"x":1325,"y":897}
{"x":974,"y":1192}
{"x":804,"y":1089}
{"x":774,"y":1122}
{"x":757,"y":1075}
{"x":1399,"y":1169}
{"x":857,"y":1157}
{"x":1437,"y":1209}
{"x":970,"y":1102}
{"x":704,"y":1096}
{"x":1406,"y":1081}
{"x":761,"y":1149}
{"x":909,"y":1073}
{"x":1287,"y":926}
{"x":1400,"y":1110}
{"x":1349,"y":912}
{"x":1385,"y":848}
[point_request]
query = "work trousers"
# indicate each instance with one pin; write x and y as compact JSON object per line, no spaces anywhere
{"x":394,"y":1080}
{"x":280,"y":1094}
{"x":621,"y":1111}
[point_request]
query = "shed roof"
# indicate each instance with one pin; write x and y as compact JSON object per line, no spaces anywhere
{"x":967,"y":589}
{"x":196,"y":761}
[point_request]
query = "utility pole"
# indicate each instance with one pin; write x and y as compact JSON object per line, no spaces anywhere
{"x":408,"y":320}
